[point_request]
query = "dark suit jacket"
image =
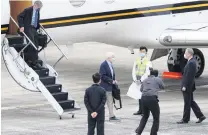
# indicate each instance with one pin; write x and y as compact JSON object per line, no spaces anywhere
{"x":95,"y":98}
{"x":106,"y":76}
{"x":188,"y":78}
{"x":25,"y":18}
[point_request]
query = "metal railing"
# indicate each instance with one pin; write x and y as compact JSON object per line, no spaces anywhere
{"x":30,"y":42}
{"x":50,"y":39}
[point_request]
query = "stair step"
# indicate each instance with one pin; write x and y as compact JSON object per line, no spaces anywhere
{"x":55,"y":88}
{"x":68,"y":104}
{"x":61,"y":96}
{"x":15,"y":40}
{"x":42,"y":72}
{"x":48,"y":80}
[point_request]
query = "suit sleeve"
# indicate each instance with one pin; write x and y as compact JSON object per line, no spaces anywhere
{"x":147,"y":71}
{"x":134,"y":72}
{"x":142,"y":87}
{"x":104,"y":76}
{"x":20,"y":18}
{"x":102,"y":104}
{"x":189,"y":75}
{"x":86,"y":101}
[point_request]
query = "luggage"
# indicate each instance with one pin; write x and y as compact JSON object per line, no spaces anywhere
{"x":42,"y":40}
{"x":116,"y":93}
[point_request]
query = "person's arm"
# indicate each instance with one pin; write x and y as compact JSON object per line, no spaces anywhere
{"x":20,"y":18}
{"x":190,"y":75}
{"x":102,"y":104}
{"x":104,"y":76}
{"x":161,"y":84}
{"x":86,"y":101}
{"x":134,"y":72}
{"x":147,"y":71}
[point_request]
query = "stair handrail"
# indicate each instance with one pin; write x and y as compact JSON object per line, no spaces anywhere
{"x":31,"y":43}
{"x":51,"y":39}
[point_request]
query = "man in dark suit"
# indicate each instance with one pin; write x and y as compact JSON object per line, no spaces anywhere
{"x":29,"y":23}
{"x":188,"y":87}
{"x":107,"y":80}
{"x":94,"y":100}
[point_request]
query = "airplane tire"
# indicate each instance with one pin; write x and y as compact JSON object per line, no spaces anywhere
{"x":198,"y":55}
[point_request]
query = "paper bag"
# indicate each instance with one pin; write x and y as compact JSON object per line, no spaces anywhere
{"x":134,"y":91}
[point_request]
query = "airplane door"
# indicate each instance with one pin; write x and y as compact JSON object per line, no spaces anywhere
{"x":16,"y":8}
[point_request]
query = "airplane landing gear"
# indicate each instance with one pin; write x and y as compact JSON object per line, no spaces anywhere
{"x":176,"y":61}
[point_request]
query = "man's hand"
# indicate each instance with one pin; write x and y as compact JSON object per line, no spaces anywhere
{"x":94,"y":114}
{"x":115,"y":82}
{"x":184,"y":89}
{"x":22,"y":29}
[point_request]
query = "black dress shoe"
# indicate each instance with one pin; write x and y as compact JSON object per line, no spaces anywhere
{"x":182,"y":122}
{"x":37,"y":66}
{"x":138,"y":113}
{"x":201,"y":119}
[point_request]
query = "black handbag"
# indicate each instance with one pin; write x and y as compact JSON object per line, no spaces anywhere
{"x":42,"y":40}
{"x":116,"y":93}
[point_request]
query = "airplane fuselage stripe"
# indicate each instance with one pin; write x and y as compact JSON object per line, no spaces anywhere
{"x":123,"y":14}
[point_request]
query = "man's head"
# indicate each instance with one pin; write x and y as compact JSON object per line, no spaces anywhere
{"x":96,"y":78}
{"x":38,"y":4}
{"x":154,"y":72}
{"x":188,"y":53}
{"x":110,"y":57}
{"x":143,"y":51}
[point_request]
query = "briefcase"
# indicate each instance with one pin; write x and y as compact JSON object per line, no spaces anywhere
{"x":42,"y":40}
{"x":116,"y":93}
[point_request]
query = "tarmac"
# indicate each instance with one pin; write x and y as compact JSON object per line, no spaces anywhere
{"x":28,"y":113}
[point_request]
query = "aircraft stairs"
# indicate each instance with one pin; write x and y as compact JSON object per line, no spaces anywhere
{"x":14,"y":48}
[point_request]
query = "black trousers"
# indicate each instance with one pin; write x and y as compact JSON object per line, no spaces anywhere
{"x":99,"y":121}
{"x":140,"y":106}
{"x":150,"y":104}
{"x":188,"y":104}
{"x":31,"y":54}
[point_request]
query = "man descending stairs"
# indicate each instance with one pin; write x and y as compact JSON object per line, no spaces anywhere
{"x":47,"y":81}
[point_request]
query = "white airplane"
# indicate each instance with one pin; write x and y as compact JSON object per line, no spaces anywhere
{"x":167,"y":26}
{"x":152,"y":23}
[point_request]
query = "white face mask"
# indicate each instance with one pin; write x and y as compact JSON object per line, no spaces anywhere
{"x":142,"y":55}
{"x":112,"y":59}
{"x":185,"y":56}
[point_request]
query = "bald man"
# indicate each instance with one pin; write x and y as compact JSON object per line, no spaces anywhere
{"x":107,"y":80}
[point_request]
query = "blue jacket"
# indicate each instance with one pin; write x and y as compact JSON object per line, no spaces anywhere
{"x":106,"y":76}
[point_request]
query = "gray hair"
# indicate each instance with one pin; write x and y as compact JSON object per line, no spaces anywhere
{"x":38,"y":3}
{"x":190,"y":51}
{"x":109,"y":55}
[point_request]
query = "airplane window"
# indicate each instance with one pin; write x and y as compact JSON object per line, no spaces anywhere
{"x":109,"y":1}
{"x":77,"y":3}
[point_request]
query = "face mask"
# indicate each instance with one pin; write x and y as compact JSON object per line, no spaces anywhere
{"x":185,"y":56}
{"x":142,"y":55}
{"x":113,"y":59}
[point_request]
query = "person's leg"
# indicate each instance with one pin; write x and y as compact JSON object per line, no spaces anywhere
{"x":155,"y":110}
{"x":195,"y":108}
{"x":146,"y":113}
{"x":91,"y":125}
{"x":100,"y":122}
{"x":110,"y":104}
{"x":139,"y":112}
{"x":187,"y":106}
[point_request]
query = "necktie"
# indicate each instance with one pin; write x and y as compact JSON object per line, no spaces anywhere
{"x":36,"y":19}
